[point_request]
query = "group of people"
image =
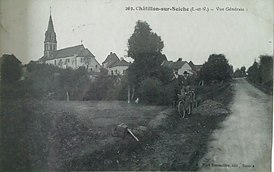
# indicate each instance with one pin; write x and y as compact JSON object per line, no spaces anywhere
{"x":186,"y":100}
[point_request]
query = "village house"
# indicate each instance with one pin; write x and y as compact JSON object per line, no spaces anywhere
{"x":114,"y":65}
{"x":73,"y":57}
{"x":180,"y":67}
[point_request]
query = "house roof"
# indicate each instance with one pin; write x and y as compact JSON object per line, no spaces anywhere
{"x":111,"y":59}
{"x":195,"y":67}
{"x":120,"y":63}
{"x":79,"y":51}
{"x":174,"y":65}
{"x":191,"y":64}
{"x":5,"y":56}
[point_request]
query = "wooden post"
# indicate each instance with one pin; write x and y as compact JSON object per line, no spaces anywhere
{"x":67,"y":96}
{"x":128,"y":94}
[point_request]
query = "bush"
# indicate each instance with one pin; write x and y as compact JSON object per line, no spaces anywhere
{"x":53,"y":82}
{"x":149,"y":90}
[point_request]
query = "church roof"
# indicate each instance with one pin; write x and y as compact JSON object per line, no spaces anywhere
{"x":85,"y":53}
{"x":78,"y":51}
{"x":120,"y":63}
{"x":50,"y":35}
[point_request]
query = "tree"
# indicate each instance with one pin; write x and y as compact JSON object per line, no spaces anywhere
{"x":266,"y":68}
{"x":254,"y":73}
{"x":145,"y":48}
{"x":11,"y":69}
{"x":143,"y":41}
{"x":216,"y":68}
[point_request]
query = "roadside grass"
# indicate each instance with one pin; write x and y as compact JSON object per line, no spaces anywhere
{"x":24,"y":133}
{"x":183,"y":145}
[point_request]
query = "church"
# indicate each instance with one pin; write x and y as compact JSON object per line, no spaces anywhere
{"x":73,"y":57}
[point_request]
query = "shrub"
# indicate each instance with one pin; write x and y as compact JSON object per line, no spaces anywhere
{"x":149,"y":90}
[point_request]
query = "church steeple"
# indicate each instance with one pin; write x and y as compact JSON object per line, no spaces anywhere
{"x":50,"y":43}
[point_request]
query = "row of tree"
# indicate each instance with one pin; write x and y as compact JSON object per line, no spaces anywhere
{"x":146,"y":78}
{"x":262,"y":72}
{"x":153,"y":83}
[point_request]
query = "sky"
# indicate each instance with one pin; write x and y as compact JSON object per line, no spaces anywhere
{"x":104,"y":26}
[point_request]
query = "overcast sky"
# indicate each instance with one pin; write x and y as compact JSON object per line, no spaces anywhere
{"x":104,"y":26}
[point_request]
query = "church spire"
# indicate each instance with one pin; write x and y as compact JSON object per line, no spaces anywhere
{"x":50,"y":43}
{"x":50,"y":35}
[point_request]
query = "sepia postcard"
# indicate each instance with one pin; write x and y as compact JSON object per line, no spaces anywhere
{"x":136,"y":85}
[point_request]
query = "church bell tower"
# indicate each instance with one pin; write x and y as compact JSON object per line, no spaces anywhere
{"x":50,"y":43}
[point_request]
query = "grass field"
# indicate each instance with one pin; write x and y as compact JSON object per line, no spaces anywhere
{"x":48,"y":134}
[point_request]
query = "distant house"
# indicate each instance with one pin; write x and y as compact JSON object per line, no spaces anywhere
{"x":196,"y":68}
{"x":118,"y":68}
{"x":180,"y":67}
{"x":73,"y":57}
{"x":114,"y":65}
{"x":10,"y":60}
{"x":111,"y":59}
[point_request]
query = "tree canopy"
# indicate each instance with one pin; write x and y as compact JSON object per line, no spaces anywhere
{"x":145,"y":47}
{"x":216,"y":68}
{"x":144,"y":41}
{"x":262,"y":72}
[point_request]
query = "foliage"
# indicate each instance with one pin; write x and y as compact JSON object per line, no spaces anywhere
{"x":262,"y":73}
{"x":149,"y":90}
{"x":240,"y":72}
{"x":216,"y":68}
{"x":266,"y":68}
{"x":11,"y":69}
{"x":48,"y":81}
{"x":145,"y":48}
{"x":143,"y":41}
{"x":25,"y":127}
{"x":107,"y":87}
{"x":254,"y":73}
{"x":153,"y":91}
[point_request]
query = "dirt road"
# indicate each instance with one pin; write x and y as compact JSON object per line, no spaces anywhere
{"x":243,"y":143}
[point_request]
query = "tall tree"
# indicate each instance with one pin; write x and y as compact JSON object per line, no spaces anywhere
{"x":266,"y":68}
{"x":254,"y":73}
{"x":144,"y":41}
{"x":145,"y":47}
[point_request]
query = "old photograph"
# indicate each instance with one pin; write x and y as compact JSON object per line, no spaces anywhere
{"x":136,"y":85}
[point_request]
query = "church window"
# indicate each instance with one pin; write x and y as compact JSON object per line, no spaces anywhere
{"x":96,"y":66}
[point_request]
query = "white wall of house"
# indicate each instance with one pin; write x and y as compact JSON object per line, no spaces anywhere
{"x":63,"y":62}
{"x":185,"y":67}
{"x":94,"y":65}
{"x":117,"y":70}
{"x":75,"y":63}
